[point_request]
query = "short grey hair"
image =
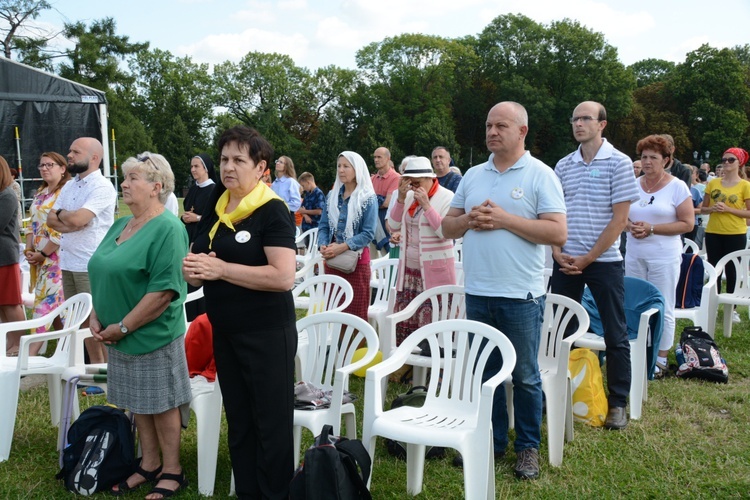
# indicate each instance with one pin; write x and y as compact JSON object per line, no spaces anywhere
{"x":156,"y":168}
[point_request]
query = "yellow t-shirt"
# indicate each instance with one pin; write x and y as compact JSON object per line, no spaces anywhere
{"x":735,"y":196}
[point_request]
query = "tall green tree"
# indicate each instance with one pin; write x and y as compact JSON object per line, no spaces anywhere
{"x":173,"y":97}
{"x":649,"y":71}
{"x":711,"y":95}
{"x":97,"y":52}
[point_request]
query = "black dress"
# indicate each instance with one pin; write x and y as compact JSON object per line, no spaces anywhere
{"x":197,"y":201}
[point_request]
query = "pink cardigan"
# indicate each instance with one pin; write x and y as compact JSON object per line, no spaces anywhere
{"x":436,"y":261}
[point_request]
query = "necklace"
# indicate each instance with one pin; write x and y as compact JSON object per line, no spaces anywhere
{"x":653,"y":186}
{"x":131,"y":227}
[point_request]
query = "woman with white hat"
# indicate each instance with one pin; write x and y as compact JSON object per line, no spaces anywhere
{"x":426,"y":258}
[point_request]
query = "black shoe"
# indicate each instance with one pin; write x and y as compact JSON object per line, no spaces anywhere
{"x":616,"y":418}
{"x":527,"y":464}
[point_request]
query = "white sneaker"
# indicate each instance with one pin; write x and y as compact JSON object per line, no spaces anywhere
{"x":735,"y":317}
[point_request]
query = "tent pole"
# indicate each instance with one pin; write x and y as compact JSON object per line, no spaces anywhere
{"x":114,"y":163}
{"x":20,"y":174}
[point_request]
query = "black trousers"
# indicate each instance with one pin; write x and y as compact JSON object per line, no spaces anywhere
{"x":606,"y":281}
{"x":719,"y":245}
{"x":256,"y":375}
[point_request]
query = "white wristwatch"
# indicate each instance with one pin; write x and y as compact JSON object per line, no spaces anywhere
{"x":123,"y":329}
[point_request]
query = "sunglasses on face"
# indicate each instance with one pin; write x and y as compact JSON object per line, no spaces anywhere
{"x":728,"y":160}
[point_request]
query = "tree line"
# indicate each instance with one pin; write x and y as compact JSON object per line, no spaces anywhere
{"x":409,"y":93}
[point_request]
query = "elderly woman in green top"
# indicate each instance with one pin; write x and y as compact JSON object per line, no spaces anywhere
{"x":138,"y":291}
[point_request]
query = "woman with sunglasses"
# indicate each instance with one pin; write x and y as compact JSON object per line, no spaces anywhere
{"x":727,"y":200}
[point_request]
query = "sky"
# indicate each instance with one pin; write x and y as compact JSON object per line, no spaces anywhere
{"x":317,"y":33}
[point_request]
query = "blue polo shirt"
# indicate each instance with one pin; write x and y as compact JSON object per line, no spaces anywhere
{"x":500,"y":263}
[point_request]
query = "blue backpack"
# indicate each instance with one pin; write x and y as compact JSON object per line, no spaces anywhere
{"x":690,"y":283}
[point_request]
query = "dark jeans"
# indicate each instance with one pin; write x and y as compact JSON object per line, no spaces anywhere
{"x":719,"y":245}
{"x":605,"y":279}
{"x":521,"y":321}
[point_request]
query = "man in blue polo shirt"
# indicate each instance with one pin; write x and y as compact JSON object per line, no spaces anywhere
{"x":599,"y":187}
{"x":506,"y":210}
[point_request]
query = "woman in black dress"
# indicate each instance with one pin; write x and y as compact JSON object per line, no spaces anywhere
{"x":196,"y":201}
{"x":244,"y":257}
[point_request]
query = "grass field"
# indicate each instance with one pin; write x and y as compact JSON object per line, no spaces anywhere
{"x":693,"y":441}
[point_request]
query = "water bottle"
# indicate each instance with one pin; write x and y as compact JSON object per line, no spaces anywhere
{"x":678,"y":355}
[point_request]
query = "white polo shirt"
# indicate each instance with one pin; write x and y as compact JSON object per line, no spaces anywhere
{"x":500,"y":263}
{"x":96,"y":194}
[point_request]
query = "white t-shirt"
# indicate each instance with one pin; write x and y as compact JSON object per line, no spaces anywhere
{"x":172,"y":205}
{"x":659,"y":207}
{"x":96,"y":194}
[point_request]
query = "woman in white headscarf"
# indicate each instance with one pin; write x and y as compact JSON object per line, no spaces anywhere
{"x":349,"y":224}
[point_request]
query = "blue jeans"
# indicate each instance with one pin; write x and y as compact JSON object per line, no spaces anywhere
{"x":521,"y":321}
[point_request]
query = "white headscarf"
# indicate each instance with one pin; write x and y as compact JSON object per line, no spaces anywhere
{"x":363,"y":194}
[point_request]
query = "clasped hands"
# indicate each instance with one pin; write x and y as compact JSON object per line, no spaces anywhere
{"x":332,"y":250}
{"x":486,"y":216}
{"x":640,"y":229}
{"x":201,"y":266}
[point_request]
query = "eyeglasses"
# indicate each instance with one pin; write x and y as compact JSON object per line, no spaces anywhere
{"x":584,"y":119}
{"x":728,"y":160}
{"x":46,"y":166}
{"x":280,"y":161}
{"x":145,"y":158}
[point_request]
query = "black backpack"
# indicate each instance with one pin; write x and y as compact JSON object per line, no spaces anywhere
{"x":700,"y":357}
{"x":334,"y":468}
{"x":100,"y":453}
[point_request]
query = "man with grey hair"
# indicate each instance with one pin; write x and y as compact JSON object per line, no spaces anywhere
{"x":83,"y":213}
{"x":599,"y":187}
{"x":506,"y":210}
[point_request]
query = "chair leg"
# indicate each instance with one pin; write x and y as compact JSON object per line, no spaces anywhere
{"x":415,"y":468}
{"x":728,"y":310}
{"x":420,"y":376}
{"x":297,"y":434}
{"x":55,"y":397}
{"x":479,"y":473}
{"x":569,"y":430}
{"x":208,"y":430}
{"x":555,"y":427}
{"x":509,"y":404}
{"x":638,"y":373}
{"x":350,"y":420}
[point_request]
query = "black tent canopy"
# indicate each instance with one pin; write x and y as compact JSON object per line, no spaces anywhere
{"x":49,"y":113}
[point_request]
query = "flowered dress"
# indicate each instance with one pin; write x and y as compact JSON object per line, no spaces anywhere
{"x":46,"y":280}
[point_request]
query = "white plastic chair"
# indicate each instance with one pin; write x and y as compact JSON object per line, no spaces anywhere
{"x":741,"y":296}
{"x":458,"y":250}
{"x":26,"y":296}
{"x":448,"y":302}
{"x":307,"y":242}
{"x":460,"y":277}
{"x":332,"y":339}
{"x":705,"y":314}
{"x":325,"y":293}
{"x":384,"y":272}
{"x":457,"y":411}
{"x":639,"y":379}
{"x":553,"y":358}
{"x":73,"y":312}
{"x":689,"y":244}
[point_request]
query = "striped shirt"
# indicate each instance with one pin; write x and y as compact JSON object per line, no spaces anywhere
{"x":590,"y":191}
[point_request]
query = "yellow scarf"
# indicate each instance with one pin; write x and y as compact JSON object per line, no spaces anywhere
{"x":259,"y":196}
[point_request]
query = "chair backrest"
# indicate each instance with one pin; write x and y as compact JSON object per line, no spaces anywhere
{"x":461,"y":374}
{"x":332,"y":339}
{"x":547,"y":278}
{"x":460,"y":277}
{"x":740,"y":260}
{"x":327,"y":293}
{"x":197,"y":294}
{"x":446,"y":302}
{"x":309,"y":267}
{"x":73,"y":313}
{"x":709,"y":282}
{"x":458,"y":250}
{"x":384,"y":272}
{"x":308,"y":240}
{"x":691,"y":246}
{"x":559,"y":313}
